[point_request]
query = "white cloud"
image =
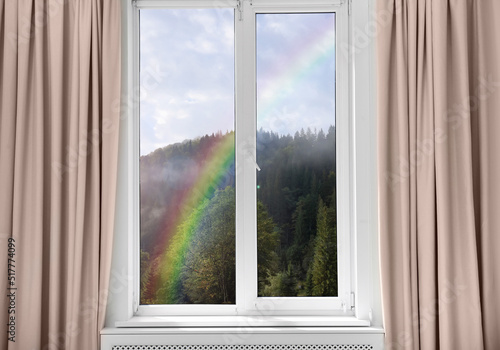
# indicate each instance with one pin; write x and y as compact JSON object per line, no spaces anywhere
{"x":207,"y":20}
{"x":195,"y":48}
{"x":202,"y":45}
{"x":196,"y":97}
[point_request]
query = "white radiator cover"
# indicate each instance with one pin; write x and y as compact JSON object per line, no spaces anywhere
{"x":243,"y":339}
{"x":243,"y":347}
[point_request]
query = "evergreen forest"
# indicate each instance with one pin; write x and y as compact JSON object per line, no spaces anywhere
{"x":296,"y":221}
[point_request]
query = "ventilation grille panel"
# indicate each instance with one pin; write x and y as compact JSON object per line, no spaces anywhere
{"x":246,"y":347}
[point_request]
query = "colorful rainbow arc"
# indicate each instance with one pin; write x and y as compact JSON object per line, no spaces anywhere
{"x":221,"y":157}
{"x":318,"y":48}
{"x":216,"y":164}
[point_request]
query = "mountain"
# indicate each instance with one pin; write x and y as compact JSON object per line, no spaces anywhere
{"x":296,"y":192}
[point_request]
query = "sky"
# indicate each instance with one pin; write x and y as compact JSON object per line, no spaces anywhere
{"x":187,"y":73}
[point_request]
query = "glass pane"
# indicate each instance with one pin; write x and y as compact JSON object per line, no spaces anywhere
{"x":296,"y":188}
{"x":187,"y":197}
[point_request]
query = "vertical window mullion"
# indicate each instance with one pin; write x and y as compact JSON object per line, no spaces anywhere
{"x":246,"y":231}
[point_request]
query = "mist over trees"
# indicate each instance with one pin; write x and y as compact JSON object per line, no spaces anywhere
{"x":296,"y":219}
{"x":296,"y":180}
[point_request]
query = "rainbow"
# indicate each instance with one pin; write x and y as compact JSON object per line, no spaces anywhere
{"x":317,"y":49}
{"x":216,"y":162}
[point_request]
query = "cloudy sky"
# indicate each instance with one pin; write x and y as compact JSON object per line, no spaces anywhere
{"x":187,"y":73}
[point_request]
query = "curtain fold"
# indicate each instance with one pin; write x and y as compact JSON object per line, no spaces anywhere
{"x":60,"y":80}
{"x":439,"y":196}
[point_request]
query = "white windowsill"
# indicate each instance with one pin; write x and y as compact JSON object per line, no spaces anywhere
{"x":252,"y":330}
{"x":190,"y":322}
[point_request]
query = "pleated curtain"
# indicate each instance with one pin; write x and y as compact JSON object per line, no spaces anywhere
{"x":59,"y":103}
{"x":438,"y":73}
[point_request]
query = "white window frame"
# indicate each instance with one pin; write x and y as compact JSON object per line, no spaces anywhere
{"x":361,"y":291}
{"x":246,"y":218}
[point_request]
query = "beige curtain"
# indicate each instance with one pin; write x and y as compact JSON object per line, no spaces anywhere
{"x":60,"y":85}
{"x":439,"y":167}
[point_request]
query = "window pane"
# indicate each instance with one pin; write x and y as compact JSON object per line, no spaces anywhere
{"x":296,"y":188}
{"x":187,"y":197}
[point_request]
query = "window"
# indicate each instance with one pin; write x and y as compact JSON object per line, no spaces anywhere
{"x":243,"y":159}
{"x":187,"y":162}
{"x":296,"y":186}
{"x":277,"y":243}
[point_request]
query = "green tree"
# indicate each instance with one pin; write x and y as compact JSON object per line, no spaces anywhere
{"x":267,"y":243}
{"x":296,"y":171}
{"x":283,"y":284}
{"x":324,"y":266}
{"x":208,"y":275}
{"x":145,"y":273}
{"x":209,"y":272}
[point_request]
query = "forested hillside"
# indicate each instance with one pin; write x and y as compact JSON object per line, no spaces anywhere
{"x":187,"y":225}
{"x":296,"y":184}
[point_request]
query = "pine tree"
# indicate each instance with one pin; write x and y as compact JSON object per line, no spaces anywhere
{"x":324,"y":266}
{"x":267,"y":244}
